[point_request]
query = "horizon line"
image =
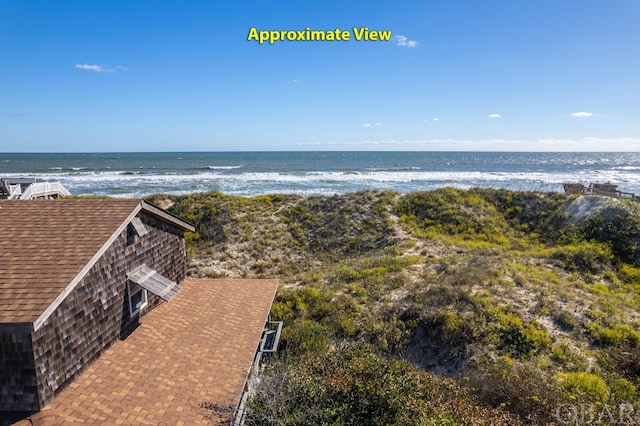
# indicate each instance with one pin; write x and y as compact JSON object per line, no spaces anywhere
{"x":320,"y":150}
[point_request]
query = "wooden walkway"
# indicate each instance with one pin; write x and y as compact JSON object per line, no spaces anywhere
{"x":606,"y":189}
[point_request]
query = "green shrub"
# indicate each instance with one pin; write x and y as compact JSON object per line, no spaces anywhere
{"x":625,"y":361}
{"x":354,"y":386}
{"x":305,"y":337}
{"x":569,"y":358}
{"x":584,"y":257}
{"x":619,"y":227}
{"x":301,"y":302}
{"x":521,"y":388}
{"x":515,"y":342}
{"x":345,"y":274}
{"x":585,"y":387}
{"x":618,"y":335}
{"x":564,"y":319}
{"x":623,"y":390}
{"x":536,"y":213}
{"x":631,"y":274}
{"x":339,"y":226}
{"x":450,"y":328}
{"x":452,"y":212}
{"x":386,"y":333}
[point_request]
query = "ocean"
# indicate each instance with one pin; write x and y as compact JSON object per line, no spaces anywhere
{"x":307,"y":173}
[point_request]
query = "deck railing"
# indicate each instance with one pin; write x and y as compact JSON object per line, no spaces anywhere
{"x":14,"y":192}
{"x":44,"y":189}
{"x":606,"y":189}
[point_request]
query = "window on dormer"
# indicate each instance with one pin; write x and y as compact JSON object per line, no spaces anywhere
{"x":137,"y":298}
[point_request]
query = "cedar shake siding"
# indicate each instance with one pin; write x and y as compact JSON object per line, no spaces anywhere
{"x":96,"y":314}
{"x":36,"y":365}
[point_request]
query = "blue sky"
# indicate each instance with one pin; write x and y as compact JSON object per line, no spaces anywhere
{"x":526,"y":75}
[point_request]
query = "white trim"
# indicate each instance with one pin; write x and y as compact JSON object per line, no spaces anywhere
{"x":76,"y":280}
{"x":145,"y":299}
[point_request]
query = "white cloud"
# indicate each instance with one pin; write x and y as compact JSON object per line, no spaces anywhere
{"x":99,"y":68}
{"x":378,"y":124}
{"x":495,"y":116}
{"x":436,"y":119}
{"x":295,"y":80}
{"x":96,"y":68}
{"x":581,"y":114}
{"x":366,"y":125}
{"x":405,"y":42}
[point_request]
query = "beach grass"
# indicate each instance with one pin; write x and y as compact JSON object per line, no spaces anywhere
{"x":505,"y":302}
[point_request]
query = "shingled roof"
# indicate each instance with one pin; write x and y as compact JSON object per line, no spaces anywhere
{"x":186,"y":363}
{"x":48,"y":245}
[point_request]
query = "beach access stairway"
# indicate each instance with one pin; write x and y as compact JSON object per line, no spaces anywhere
{"x":26,"y":189}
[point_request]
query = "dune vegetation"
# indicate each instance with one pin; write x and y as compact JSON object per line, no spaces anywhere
{"x":442,"y":307}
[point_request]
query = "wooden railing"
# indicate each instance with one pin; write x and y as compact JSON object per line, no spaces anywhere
{"x":606,"y":189}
